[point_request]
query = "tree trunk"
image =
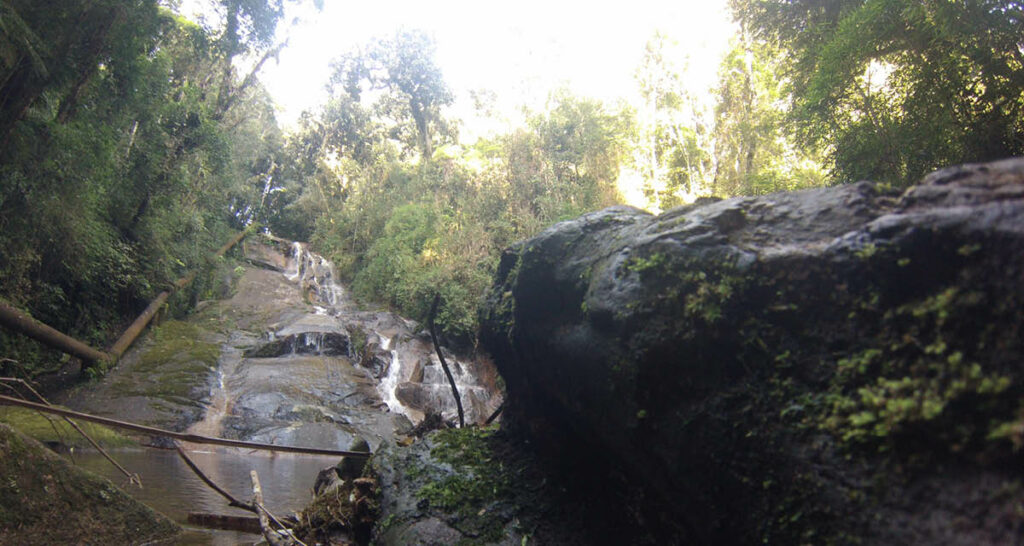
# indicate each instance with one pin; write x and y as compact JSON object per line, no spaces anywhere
{"x":419,"y":116}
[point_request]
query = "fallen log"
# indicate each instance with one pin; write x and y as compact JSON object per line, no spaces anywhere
{"x":184,"y":437}
{"x":19,"y":322}
{"x":132,"y":333}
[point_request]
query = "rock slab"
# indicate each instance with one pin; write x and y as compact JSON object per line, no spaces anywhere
{"x":831,"y":366}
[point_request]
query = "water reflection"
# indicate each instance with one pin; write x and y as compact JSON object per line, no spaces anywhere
{"x":172,"y":489}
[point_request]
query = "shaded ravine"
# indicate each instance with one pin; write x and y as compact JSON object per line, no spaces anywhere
{"x":288,"y":359}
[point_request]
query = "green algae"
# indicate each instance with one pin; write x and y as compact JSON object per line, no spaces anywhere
{"x":178,"y":341}
{"x":477,"y":481}
{"x":52,"y":429}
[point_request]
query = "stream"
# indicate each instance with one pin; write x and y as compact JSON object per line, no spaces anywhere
{"x":287,"y":358}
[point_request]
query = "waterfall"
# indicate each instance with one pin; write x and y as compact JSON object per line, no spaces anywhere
{"x":389,"y":383}
{"x":412,"y":369}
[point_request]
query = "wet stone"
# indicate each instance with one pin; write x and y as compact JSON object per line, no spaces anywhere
{"x":307,"y":343}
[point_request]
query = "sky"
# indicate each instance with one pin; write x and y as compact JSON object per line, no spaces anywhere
{"x":520,"y":50}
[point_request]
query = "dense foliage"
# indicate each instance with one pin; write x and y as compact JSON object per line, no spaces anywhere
{"x":131,"y":148}
{"x":403,"y":211}
{"x":132,"y":144}
{"x":891,"y":89}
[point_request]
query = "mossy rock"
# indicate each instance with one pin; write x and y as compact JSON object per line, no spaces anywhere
{"x":53,"y":430}
{"x":45,"y":500}
{"x":471,"y":486}
{"x":755,"y":368}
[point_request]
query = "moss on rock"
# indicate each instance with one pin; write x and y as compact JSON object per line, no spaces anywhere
{"x":45,"y":500}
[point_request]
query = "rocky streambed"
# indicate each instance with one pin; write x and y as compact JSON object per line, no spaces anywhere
{"x":287,"y":359}
{"x":831,"y":366}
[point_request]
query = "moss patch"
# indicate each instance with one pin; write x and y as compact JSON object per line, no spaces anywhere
{"x":912,"y":374}
{"x":57,"y":430}
{"x":178,"y":341}
{"x":45,"y":500}
{"x":477,"y":482}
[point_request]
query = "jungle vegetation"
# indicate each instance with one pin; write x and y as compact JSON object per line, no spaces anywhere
{"x":133,"y":143}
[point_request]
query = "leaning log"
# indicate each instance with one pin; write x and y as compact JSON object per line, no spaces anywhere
{"x":132,"y":333}
{"x":24,"y":324}
{"x":444,"y":364}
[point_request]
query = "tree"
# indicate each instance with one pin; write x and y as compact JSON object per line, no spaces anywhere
{"x":412,"y":89}
{"x":119,"y":169}
{"x":583,"y":145}
{"x":675,"y":148}
{"x":895,"y":88}
{"x":753,"y":152}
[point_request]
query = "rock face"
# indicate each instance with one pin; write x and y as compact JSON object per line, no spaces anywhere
{"x":839,"y":365}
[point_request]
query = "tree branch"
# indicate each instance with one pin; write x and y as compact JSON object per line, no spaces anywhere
{"x":444,"y":364}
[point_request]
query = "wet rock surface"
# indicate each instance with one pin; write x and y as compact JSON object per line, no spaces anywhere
{"x":277,"y":362}
{"x":830,"y":366}
{"x":471,"y":486}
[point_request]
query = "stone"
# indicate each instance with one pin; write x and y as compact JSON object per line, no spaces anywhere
{"x":747,"y":370}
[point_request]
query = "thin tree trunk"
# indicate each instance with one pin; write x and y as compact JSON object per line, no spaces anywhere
{"x":444,"y":363}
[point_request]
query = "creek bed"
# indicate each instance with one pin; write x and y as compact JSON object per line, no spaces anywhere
{"x":171,"y":488}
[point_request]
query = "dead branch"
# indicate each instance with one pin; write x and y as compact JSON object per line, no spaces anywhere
{"x":497,"y":412}
{"x":272,"y":536}
{"x":444,"y":364}
{"x":192,"y":438}
{"x":132,"y":478}
{"x":232,"y":501}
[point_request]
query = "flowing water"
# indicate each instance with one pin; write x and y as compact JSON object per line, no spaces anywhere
{"x":299,"y":363}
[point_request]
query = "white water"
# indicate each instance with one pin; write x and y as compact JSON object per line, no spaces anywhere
{"x":389,"y":382}
{"x":317,"y":275}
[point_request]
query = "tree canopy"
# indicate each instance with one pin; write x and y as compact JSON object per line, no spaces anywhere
{"x":891,"y":89}
{"x":133,"y":141}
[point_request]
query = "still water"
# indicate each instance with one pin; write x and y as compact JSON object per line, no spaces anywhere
{"x":171,"y":488}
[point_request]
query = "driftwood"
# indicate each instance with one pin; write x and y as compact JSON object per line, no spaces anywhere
{"x":273,"y":537}
{"x":245,"y":524}
{"x":444,"y":364}
{"x":192,"y":438}
{"x":232,"y":501}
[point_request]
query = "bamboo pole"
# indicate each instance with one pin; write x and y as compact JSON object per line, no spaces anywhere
{"x":19,"y":322}
{"x":132,"y":333}
{"x":24,"y":324}
{"x":193,"y":438}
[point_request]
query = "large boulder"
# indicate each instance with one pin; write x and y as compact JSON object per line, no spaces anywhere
{"x":839,"y":365}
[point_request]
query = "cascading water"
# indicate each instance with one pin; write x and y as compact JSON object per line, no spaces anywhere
{"x":389,"y":382}
{"x":294,"y":362}
{"x":413,"y":383}
{"x":315,"y":273}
